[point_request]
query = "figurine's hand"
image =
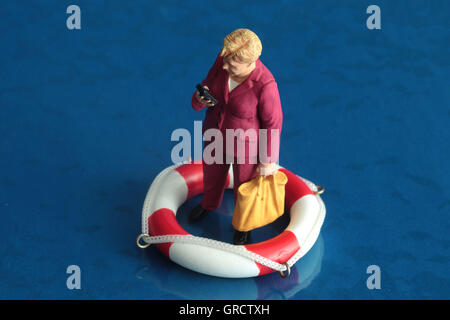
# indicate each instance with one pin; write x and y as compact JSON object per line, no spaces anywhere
{"x":267,"y":169}
{"x":203,"y":100}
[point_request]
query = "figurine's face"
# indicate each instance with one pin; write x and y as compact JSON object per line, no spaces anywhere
{"x":237,"y":69}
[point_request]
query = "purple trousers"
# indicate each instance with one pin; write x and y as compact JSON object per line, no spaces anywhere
{"x":215,"y":180}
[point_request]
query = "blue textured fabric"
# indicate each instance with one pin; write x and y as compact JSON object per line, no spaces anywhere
{"x":86,"y":118}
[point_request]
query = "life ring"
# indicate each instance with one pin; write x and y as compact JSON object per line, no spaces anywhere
{"x":176,"y":184}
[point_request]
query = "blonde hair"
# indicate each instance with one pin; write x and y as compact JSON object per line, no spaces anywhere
{"x":242,"y":45}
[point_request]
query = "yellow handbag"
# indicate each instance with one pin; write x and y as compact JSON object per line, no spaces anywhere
{"x":259,"y":202}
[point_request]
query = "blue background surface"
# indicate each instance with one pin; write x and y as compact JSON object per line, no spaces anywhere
{"x":86,"y":117}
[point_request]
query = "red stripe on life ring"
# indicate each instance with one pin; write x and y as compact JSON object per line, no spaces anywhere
{"x":163,"y":222}
{"x":280,"y":249}
{"x":192,"y":173}
{"x":295,"y":188}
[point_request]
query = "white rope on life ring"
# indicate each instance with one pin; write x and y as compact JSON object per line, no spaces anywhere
{"x":178,"y":183}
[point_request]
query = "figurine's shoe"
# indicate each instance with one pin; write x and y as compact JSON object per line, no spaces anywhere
{"x":241,"y":238}
{"x":197,"y":213}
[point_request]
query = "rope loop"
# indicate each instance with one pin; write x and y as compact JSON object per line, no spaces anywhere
{"x":240,"y":250}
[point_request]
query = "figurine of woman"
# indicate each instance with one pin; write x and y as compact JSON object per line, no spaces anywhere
{"x":248,"y":99}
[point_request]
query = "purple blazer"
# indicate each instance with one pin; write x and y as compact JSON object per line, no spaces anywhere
{"x":253,"y":104}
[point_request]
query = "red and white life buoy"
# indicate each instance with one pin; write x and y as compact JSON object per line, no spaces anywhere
{"x":176,"y":184}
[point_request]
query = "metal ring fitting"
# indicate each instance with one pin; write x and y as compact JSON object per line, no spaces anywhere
{"x":138,"y":241}
{"x":319,"y":190}
{"x":288,"y":271}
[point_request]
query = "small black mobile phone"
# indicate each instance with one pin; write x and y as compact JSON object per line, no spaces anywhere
{"x":205,"y":94}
